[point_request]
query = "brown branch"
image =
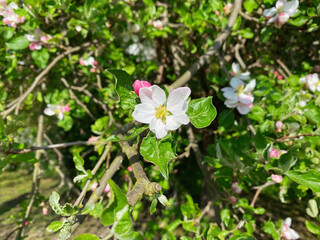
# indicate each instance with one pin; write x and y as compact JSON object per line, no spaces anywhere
{"x":73,"y":96}
{"x":5,"y":113}
{"x":35,"y":178}
{"x":247,"y":17}
{"x":284,"y":67}
{"x":296,"y":136}
{"x":211,"y":51}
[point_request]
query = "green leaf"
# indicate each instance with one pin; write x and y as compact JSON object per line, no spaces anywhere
{"x":270,"y":228}
{"x":246,"y":33}
{"x":41,"y":57}
{"x":153,"y":206}
{"x":250,"y":5}
{"x":242,"y":237}
{"x":6,"y":32}
{"x":213,"y":231}
{"x":312,"y":227}
{"x":136,"y":132}
{"x":89,"y":8}
{"x":201,"y":112}
{"x":66,"y":210}
{"x":55,"y":226}
{"x":79,"y":162}
{"x":18,"y":43}
{"x":288,"y":160}
{"x":298,"y":22}
{"x":65,"y":232}
{"x":312,"y":209}
{"x":260,"y":141}
{"x":265,"y":33}
{"x":159,"y":152}
{"x":87,"y":236}
{"x":25,"y":157}
{"x":310,"y":179}
{"x":124,"y":89}
{"x":225,"y":216}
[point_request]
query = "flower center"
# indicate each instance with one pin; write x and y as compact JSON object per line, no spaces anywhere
{"x":161,"y":113}
{"x":56,"y":111}
{"x":280,"y":10}
{"x":240,"y":89}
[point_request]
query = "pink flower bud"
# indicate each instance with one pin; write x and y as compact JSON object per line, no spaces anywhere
{"x":94,"y":186}
{"x":279,"y":126}
{"x":45,"y":211}
{"x":65,"y":109}
{"x":251,"y":105}
{"x":109,"y":195}
{"x":107,"y":188}
{"x":265,"y":162}
{"x":95,"y":63}
{"x":236,"y":188}
{"x":26,"y":223}
{"x":31,"y":47}
{"x":274,"y":153}
{"x":82,"y":62}
{"x":137,"y":85}
{"x":276,"y":178}
{"x":276,"y":73}
{"x":217,"y":12}
{"x":279,"y":77}
{"x":233,"y":199}
{"x":92,"y":139}
{"x":126,"y":177}
{"x":108,"y":24}
{"x":129,"y":169}
{"x":92,"y":70}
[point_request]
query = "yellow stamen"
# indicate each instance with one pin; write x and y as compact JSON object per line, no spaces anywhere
{"x":161,"y":113}
{"x":240,"y":89}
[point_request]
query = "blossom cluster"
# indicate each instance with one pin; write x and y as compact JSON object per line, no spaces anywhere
{"x":37,"y":39}
{"x":239,"y":95}
{"x":90,"y":62}
{"x":10,"y":18}
{"x":311,"y":81}
{"x":281,"y":13}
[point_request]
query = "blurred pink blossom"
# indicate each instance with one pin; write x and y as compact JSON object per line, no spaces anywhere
{"x":107,"y":188}
{"x":94,"y":186}
{"x":45,"y":211}
{"x":92,"y":139}
{"x":279,"y":126}
{"x":276,"y":178}
{"x":274,"y":153}
{"x":287,"y":232}
{"x":236,"y":188}
{"x":233,"y":199}
{"x":129,"y":169}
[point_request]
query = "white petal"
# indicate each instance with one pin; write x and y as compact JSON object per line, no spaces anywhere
{"x":37,"y":46}
{"x":280,"y":3}
{"x":60,"y":115}
{"x":291,"y":7}
{"x":227,"y":89}
{"x":143,"y":112}
{"x":126,"y":37}
{"x":172,"y":123}
{"x":158,"y":127}
{"x":49,"y":111}
{"x":31,"y":38}
{"x":244,"y":76}
{"x":153,"y":95}
{"x":243,"y":108}
{"x":245,"y":99}
{"x":13,"y":5}
{"x":302,"y":80}
{"x":177,"y":103}
{"x":133,"y":49}
{"x":269,"y":12}
{"x":230,"y":94}
{"x":235,"y":67}
{"x":287,"y":222}
{"x":294,"y":234}
{"x":235,"y":82}
{"x":250,"y":86}
{"x":271,"y":20}
{"x":230,"y":103}
{"x":90,"y":61}
{"x":134,"y":38}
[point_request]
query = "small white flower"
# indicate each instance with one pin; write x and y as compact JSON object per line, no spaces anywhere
{"x":287,"y":232}
{"x":162,"y":114}
{"x":78,"y":28}
{"x":282,"y":12}
{"x":51,"y":110}
{"x":239,"y":95}
{"x":311,"y":81}
{"x":237,"y":73}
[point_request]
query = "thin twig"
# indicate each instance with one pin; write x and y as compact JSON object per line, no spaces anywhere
{"x":296,"y":136}
{"x":284,"y":67}
{"x":181,"y":81}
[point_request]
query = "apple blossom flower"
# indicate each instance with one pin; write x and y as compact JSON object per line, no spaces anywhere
{"x":131,"y":33}
{"x":107,"y":188}
{"x":276,"y":178}
{"x":145,"y":51}
{"x":162,"y":114}
{"x":279,"y":126}
{"x":239,"y":95}
{"x":89,"y":62}
{"x":233,"y":199}
{"x":274,"y":153}
{"x":94,"y":186}
{"x":287,"y":232}
{"x":37,"y":39}
{"x":78,"y":28}
{"x":236,"y":187}
{"x":158,"y":24}
{"x":279,"y":77}
{"x":58,"y":110}
{"x":45,"y":211}
{"x":129,"y":169}
{"x":282,"y":12}
{"x":311,"y":81}
{"x":10,"y":18}
{"x":137,"y":85}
